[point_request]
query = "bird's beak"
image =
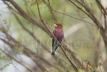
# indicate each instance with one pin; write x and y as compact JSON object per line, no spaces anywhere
{"x":55,"y":25}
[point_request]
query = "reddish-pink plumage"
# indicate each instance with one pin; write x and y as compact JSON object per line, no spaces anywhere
{"x":58,"y":33}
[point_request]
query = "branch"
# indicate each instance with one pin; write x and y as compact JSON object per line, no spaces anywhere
{"x":91,"y":16}
{"x":30,"y":33}
{"x":17,"y":61}
{"x":101,"y":6}
{"x":104,"y":13}
{"x":26,"y":16}
{"x":44,"y":28}
{"x":42,"y":19}
{"x":26,"y":51}
{"x":51,"y":10}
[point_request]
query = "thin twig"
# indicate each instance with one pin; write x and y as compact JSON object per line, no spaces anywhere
{"x":41,"y":17}
{"x":16,"y":60}
{"x":29,"y":18}
{"x":101,"y":7}
{"x":36,"y":39}
{"x":73,"y":17}
{"x":91,"y":15}
{"x":36,"y":22}
{"x":26,"y":16}
{"x":73,"y":65}
{"x":104,"y":13}
{"x":30,"y":33}
{"x":29,"y":8}
{"x":51,"y":10}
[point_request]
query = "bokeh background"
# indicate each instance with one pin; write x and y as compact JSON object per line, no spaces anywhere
{"x":80,"y":33}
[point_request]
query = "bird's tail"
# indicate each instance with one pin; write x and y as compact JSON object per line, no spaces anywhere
{"x":52,"y":53}
{"x":54,"y":47}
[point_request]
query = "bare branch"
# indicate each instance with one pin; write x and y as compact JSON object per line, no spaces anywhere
{"x":17,"y":61}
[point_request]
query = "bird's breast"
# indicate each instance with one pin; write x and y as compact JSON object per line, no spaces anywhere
{"x":59,"y":35}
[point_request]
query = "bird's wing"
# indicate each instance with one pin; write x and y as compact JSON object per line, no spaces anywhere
{"x":54,"y":44}
{"x":53,"y":39}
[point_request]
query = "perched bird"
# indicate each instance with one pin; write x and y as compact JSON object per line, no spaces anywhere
{"x":58,"y":33}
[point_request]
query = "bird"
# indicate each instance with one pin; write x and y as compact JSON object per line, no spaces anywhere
{"x":58,"y":33}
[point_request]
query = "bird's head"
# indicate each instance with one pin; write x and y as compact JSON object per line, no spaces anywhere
{"x":58,"y":25}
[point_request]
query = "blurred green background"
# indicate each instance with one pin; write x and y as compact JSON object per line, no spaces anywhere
{"x":81,"y":36}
